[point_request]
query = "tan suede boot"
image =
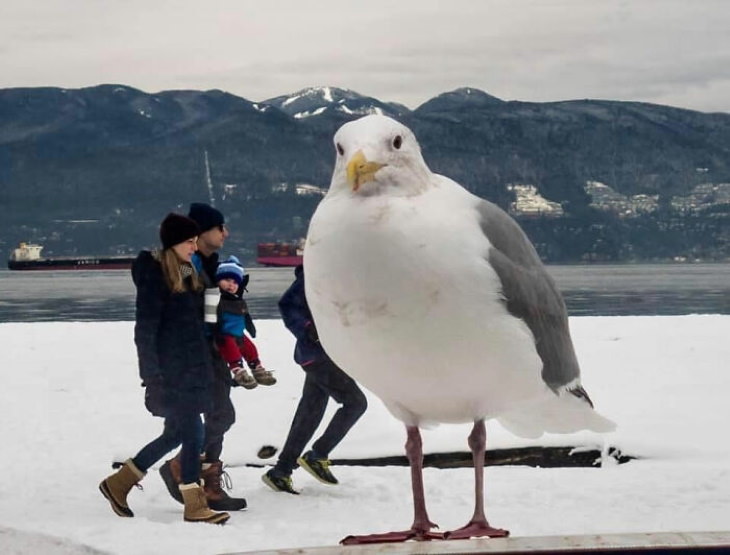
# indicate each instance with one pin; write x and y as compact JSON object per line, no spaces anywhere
{"x":196,"y":506}
{"x":116,"y":487}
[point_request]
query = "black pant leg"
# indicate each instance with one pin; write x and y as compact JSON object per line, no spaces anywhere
{"x":222,"y":414}
{"x":160,"y":446}
{"x":191,"y":438}
{"x":306,"y":419}
{"x":343,"y":389}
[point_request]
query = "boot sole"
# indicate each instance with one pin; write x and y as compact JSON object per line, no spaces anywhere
{"x":265,"y":479}
{"x":220,"y":518}
{"x":116,"y":507}
{"x":170,"y":483}
{"x":303,"y":463}
{"x":228,"y":504}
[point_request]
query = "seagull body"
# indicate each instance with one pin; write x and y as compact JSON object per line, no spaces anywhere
{"x":435,"y":300}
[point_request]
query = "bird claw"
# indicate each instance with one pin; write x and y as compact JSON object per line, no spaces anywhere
{"x":387,"y":537}
{"x":476,"y":530}
{"x":393,"y":537}
{"x":428,"y":536}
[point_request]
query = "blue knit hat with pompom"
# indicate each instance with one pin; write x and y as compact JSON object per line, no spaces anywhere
{"x":230,"y":268}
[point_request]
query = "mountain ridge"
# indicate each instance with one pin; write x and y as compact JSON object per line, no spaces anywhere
{"x":120,"y":155}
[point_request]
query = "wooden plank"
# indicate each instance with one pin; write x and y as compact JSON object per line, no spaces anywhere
{"x":536,"y":456}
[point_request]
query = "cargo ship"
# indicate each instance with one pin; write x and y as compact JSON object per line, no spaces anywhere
{"x":280,"y":254}
{"x":28,"y":257}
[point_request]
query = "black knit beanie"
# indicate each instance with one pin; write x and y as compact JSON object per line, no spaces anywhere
{"x":205,"y":216}
{"x":176,"y":228}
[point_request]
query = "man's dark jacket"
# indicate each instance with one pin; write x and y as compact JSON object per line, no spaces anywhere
{"x":298,"y":319}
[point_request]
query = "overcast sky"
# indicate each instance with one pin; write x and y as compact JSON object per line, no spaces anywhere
{"x":674,"y":52}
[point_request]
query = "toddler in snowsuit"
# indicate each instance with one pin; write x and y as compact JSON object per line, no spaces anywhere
{"x":233,"y":320}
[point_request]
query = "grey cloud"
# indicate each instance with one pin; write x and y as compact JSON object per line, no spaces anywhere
{"x":534,"y":50}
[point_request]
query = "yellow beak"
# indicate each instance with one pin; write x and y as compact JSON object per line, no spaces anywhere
{"x":360,"y":171}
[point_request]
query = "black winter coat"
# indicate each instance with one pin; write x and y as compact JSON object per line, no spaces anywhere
{"x":297,"y":318}
{"x":173,"y":352}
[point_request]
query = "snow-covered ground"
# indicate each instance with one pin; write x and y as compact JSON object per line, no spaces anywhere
{"x":73,"y":404}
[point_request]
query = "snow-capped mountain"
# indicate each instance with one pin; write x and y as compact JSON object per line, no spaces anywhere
{"x":315,"y":101}
{"x":61,"y":151}
{"x":462,"y":98}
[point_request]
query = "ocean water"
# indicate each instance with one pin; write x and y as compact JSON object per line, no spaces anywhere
{"x":595,"y":290}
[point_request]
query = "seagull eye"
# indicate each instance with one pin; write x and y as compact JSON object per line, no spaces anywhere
{"x":340,"y":149}
{"x":397,"y":142}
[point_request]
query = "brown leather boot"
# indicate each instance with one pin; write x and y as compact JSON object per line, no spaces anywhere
{"x":196,"y":506}
{"x":116,"y":487}
{"x":212,"y":474}
{"x":171,"y":473}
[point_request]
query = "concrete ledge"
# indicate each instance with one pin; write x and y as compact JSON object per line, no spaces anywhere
{"x":19,"y":542}
{"x":660,"y":542}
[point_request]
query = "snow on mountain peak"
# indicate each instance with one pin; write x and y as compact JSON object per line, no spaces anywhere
{"x":314,"y":101}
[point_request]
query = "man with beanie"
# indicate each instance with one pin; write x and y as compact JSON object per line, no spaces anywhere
{"x":221,"y":415}
{"x":231,"y":323}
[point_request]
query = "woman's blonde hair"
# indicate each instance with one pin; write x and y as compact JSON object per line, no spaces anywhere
{"x":172,"y":270}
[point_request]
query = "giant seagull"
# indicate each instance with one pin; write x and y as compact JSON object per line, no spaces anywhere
{"x":435,"y":300}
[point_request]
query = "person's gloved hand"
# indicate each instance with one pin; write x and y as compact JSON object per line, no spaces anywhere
{"x":155,"y":396}
{"x":311,"y":331}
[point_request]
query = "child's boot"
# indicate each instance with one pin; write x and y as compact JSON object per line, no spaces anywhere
{"x":116,"y":487}
{"x":263,"y":376}
{"x":242,"y":377}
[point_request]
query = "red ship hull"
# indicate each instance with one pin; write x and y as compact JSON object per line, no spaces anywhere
{"x":279,"y":254}
{"x":279,"y":260}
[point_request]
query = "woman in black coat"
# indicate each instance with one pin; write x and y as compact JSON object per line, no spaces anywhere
{"x":174,"y":364}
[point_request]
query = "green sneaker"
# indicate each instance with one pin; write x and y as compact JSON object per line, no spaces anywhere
{"x":279,"y":483}
{"x":319,"y":468}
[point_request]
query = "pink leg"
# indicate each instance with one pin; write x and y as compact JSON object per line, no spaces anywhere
{"x":414,"y":450}
{"x":478,"y":525}
{"x":421,"y":527}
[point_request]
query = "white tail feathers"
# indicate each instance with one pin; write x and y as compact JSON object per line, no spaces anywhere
{"x":560,"y":414}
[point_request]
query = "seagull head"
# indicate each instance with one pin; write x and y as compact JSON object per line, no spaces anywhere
{"x":376,"y":155}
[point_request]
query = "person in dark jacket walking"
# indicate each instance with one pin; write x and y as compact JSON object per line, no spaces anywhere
{"x":174,"y":364}
{"x":323,"y":379}
{"x":220,"y":415}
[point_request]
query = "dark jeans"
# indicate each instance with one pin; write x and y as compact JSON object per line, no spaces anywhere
{"x":222,"y":415}
{"x":180,"y":428}
{"x":323,"y":380}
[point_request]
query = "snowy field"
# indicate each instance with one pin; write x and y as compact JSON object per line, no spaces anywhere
{"x":73,"y":404}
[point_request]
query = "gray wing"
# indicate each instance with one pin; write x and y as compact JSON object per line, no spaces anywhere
{"x":531,"y":295}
